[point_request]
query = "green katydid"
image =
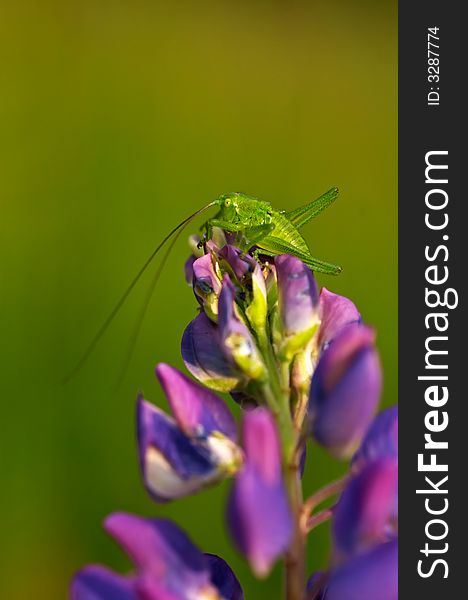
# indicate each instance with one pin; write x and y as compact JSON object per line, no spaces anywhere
{"x":254,"y":223}
{"x":271,"y":231}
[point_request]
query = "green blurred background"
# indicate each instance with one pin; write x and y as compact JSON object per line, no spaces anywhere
{"x":118,"y":119}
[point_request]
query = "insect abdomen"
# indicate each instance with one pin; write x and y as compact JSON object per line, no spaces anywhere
{"x":286,"y":231}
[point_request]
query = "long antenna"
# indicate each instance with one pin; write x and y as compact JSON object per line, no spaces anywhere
{"x":102,"y":330}
{"x":137,"y":327}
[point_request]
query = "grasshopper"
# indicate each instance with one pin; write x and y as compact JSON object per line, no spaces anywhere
{"x":253,"y":223}
{"x":256,"y":223}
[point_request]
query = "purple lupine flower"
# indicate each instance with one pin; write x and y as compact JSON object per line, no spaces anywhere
{"x":198,"y":411}
{"x":168,"y":566}
{"x":237,"y":342}
{"x":206,"y":285}
{"x":256,"y":315}
{"x":345,"y":391}
{"x":198,"y":448}
{"x":259,"y":516}
{"x":365,"y":512}
{"x":336,"y":312}
{"x":204,"y":356}
{"x":371,"y":575}
{"x":298,"y":301}
{"x":381,"y":439}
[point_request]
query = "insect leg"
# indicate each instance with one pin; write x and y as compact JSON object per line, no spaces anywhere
{"x":250,"y":235}
{"x":258,"y":232}
{"x":301,"y":216}
{"x":226,"y":225}
{"x":274,"y":246}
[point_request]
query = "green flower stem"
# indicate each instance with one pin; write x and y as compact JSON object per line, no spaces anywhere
{"x":285,"y":374}
{"x":300,"y":409}
{"x":335,"y":487}
{"x":319,"y":518}
{"x":295,"y":556}
{"x":277,"y":399}
{"x":277,"y":395}
{"x":294,"y":561}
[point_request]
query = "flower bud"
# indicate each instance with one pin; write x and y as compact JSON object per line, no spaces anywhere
{"x":256,"y":310}
{"x":167,"y":565}
{"x":298,"y":305}
{"x":365,"y":513}
{"x":345,"y":391}
{"x":259,"y":516}
{"x":198,"y":448}
{"x":336,"y":312}
{"x":238,"y":343}
{"x":174,"y":465}
{"x":381,"y":439}
{"x":198,"y":411}
{"x":100,"y":583}
{"x":206,"y":285}
{"x":368,"y":576}
{"x":271,"y":283}
{"x":302,"y":369}
{"x":204,"y":356}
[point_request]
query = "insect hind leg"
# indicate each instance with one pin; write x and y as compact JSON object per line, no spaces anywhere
{"x":274,"y":246}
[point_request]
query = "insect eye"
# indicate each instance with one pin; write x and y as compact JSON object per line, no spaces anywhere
{"x":227,"y":202}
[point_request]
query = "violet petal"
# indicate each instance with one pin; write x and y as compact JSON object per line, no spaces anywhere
{"x":298,"y":303}
{"x":336,"y":313}
{"x":99,"y":583}
{"x":206,"y":284}
{"x":345,"y":391}
{"x":162,"y":551}
{"x":259,"y":516}
{"x":365,"y":510}
{"x":371,"y":575}
{"x":223,"y":578}
{"x":298,"y":293}
{"x":237,"y":342}
{"x":204,"y":275}
{"x":171,"y":464}
{"x":198,"y":411}
{"x":204,"y":356}
{"x":381,"y":439}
